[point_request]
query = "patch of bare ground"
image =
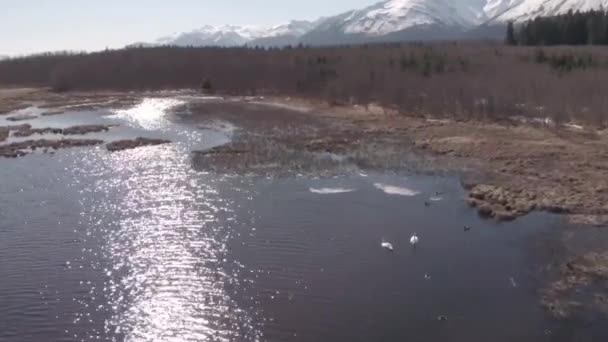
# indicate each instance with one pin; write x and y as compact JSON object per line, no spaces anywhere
{"x":27,"y":130}
{"x":22,"y":148}
{"x":53,"y":112}
{"x":4,"y":133}
{"x":21,"y":118}
{"x":586,"y":274}
{"x":12,"y":99}
{"x":508,"y":169}
{"x":121,"y":145}
{"x":516,"y":168}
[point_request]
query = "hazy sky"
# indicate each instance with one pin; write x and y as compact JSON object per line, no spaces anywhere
{"x":28,"y":26}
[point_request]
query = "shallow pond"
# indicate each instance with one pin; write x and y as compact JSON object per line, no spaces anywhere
{"x":140,"y":245}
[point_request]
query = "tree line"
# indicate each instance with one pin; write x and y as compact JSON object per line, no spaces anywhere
{"x":457,"y":80}
{"x":572,"y":28}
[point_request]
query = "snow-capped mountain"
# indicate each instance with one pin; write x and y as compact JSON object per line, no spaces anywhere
{"x":400,"y":20}
{"x":397,"y":15}
{"x":232,"y":35}
{"x":228,"y":35}
{"x":389,"y":20}
{"x":522,"y":10}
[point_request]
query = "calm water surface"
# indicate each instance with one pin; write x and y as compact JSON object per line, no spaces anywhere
{"x":142,"y":246}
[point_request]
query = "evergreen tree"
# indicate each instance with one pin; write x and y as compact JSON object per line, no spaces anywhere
{"x":511,"y":34}
{"x":572,"y":28}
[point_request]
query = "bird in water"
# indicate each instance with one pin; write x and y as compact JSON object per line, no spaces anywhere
{"x":388,"y":246}
{"x":467,"y":228}
{"x":427,"y":203}
{"x":414,"y":240}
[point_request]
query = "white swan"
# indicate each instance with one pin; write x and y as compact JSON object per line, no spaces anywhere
{"x":414,"y":240}
{"x":388,"y":245}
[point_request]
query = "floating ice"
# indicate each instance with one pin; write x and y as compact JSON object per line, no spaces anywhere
{"x":329,"y":191}
{"x":396,"y":190}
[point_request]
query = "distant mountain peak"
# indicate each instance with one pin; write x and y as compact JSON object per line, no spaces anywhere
{"x":235,"y":35}
{"x":394,"y":20}
{"x":396,"y":15}
{"x":522,"y":10}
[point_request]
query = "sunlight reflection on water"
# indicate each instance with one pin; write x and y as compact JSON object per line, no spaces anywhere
{"x":150,"y":114}
{"x":165,"y":228}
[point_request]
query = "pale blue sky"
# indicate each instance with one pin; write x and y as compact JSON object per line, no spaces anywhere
{"x":28,"y":26}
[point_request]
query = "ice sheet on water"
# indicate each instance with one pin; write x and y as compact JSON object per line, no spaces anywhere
{"x":330,"y":191}
{"x":396,"y":190}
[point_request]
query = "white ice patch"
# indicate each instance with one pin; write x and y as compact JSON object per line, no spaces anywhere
{"x":330,"y":191}
{"x":574,"y":126}
{"x":396,"y":190}
{"x":28,"y":111}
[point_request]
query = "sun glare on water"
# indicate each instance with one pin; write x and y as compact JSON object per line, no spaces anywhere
{"x":150,"y":114}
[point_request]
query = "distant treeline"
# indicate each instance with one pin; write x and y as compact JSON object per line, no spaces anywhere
{"x":453,"y":80}
{"x":573,"y":28}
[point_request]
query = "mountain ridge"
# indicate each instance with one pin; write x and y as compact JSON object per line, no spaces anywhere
{"x":389,"y":20}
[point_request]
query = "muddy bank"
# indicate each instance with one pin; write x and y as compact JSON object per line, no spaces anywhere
{"x":21,"y":118}
{"x":27,"y":130}
{"x":509,"y":170}
{"x":12,"y":99}
{"x":20,"y":149}
{"x":582,"y":284}
{"x":129,"y":144}
{"x":5,"y":131}
{"x":512,"y":169}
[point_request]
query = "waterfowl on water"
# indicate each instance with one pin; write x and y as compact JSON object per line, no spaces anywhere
{"x":414,"y":239}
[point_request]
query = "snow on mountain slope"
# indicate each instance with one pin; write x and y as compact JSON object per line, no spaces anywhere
{"x":435,"y":19}
{"x":389,"y":19}
{"x":232,"y":35}
{"x":522,"y":10}
{"x":293,"y":28}
{"x":228,"y":35}
{"x":397,"y":15}
{"x":495,"y":8}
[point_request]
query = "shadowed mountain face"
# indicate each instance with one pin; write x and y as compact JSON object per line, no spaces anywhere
{"x":388,"y":21}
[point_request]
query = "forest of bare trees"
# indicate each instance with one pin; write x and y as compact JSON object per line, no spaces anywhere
{"x":455,"y":80}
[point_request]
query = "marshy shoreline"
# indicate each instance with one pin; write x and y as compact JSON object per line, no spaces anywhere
{"x":509,"y":169}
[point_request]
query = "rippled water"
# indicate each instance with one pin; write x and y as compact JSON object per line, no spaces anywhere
{"x":141,"y":246}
